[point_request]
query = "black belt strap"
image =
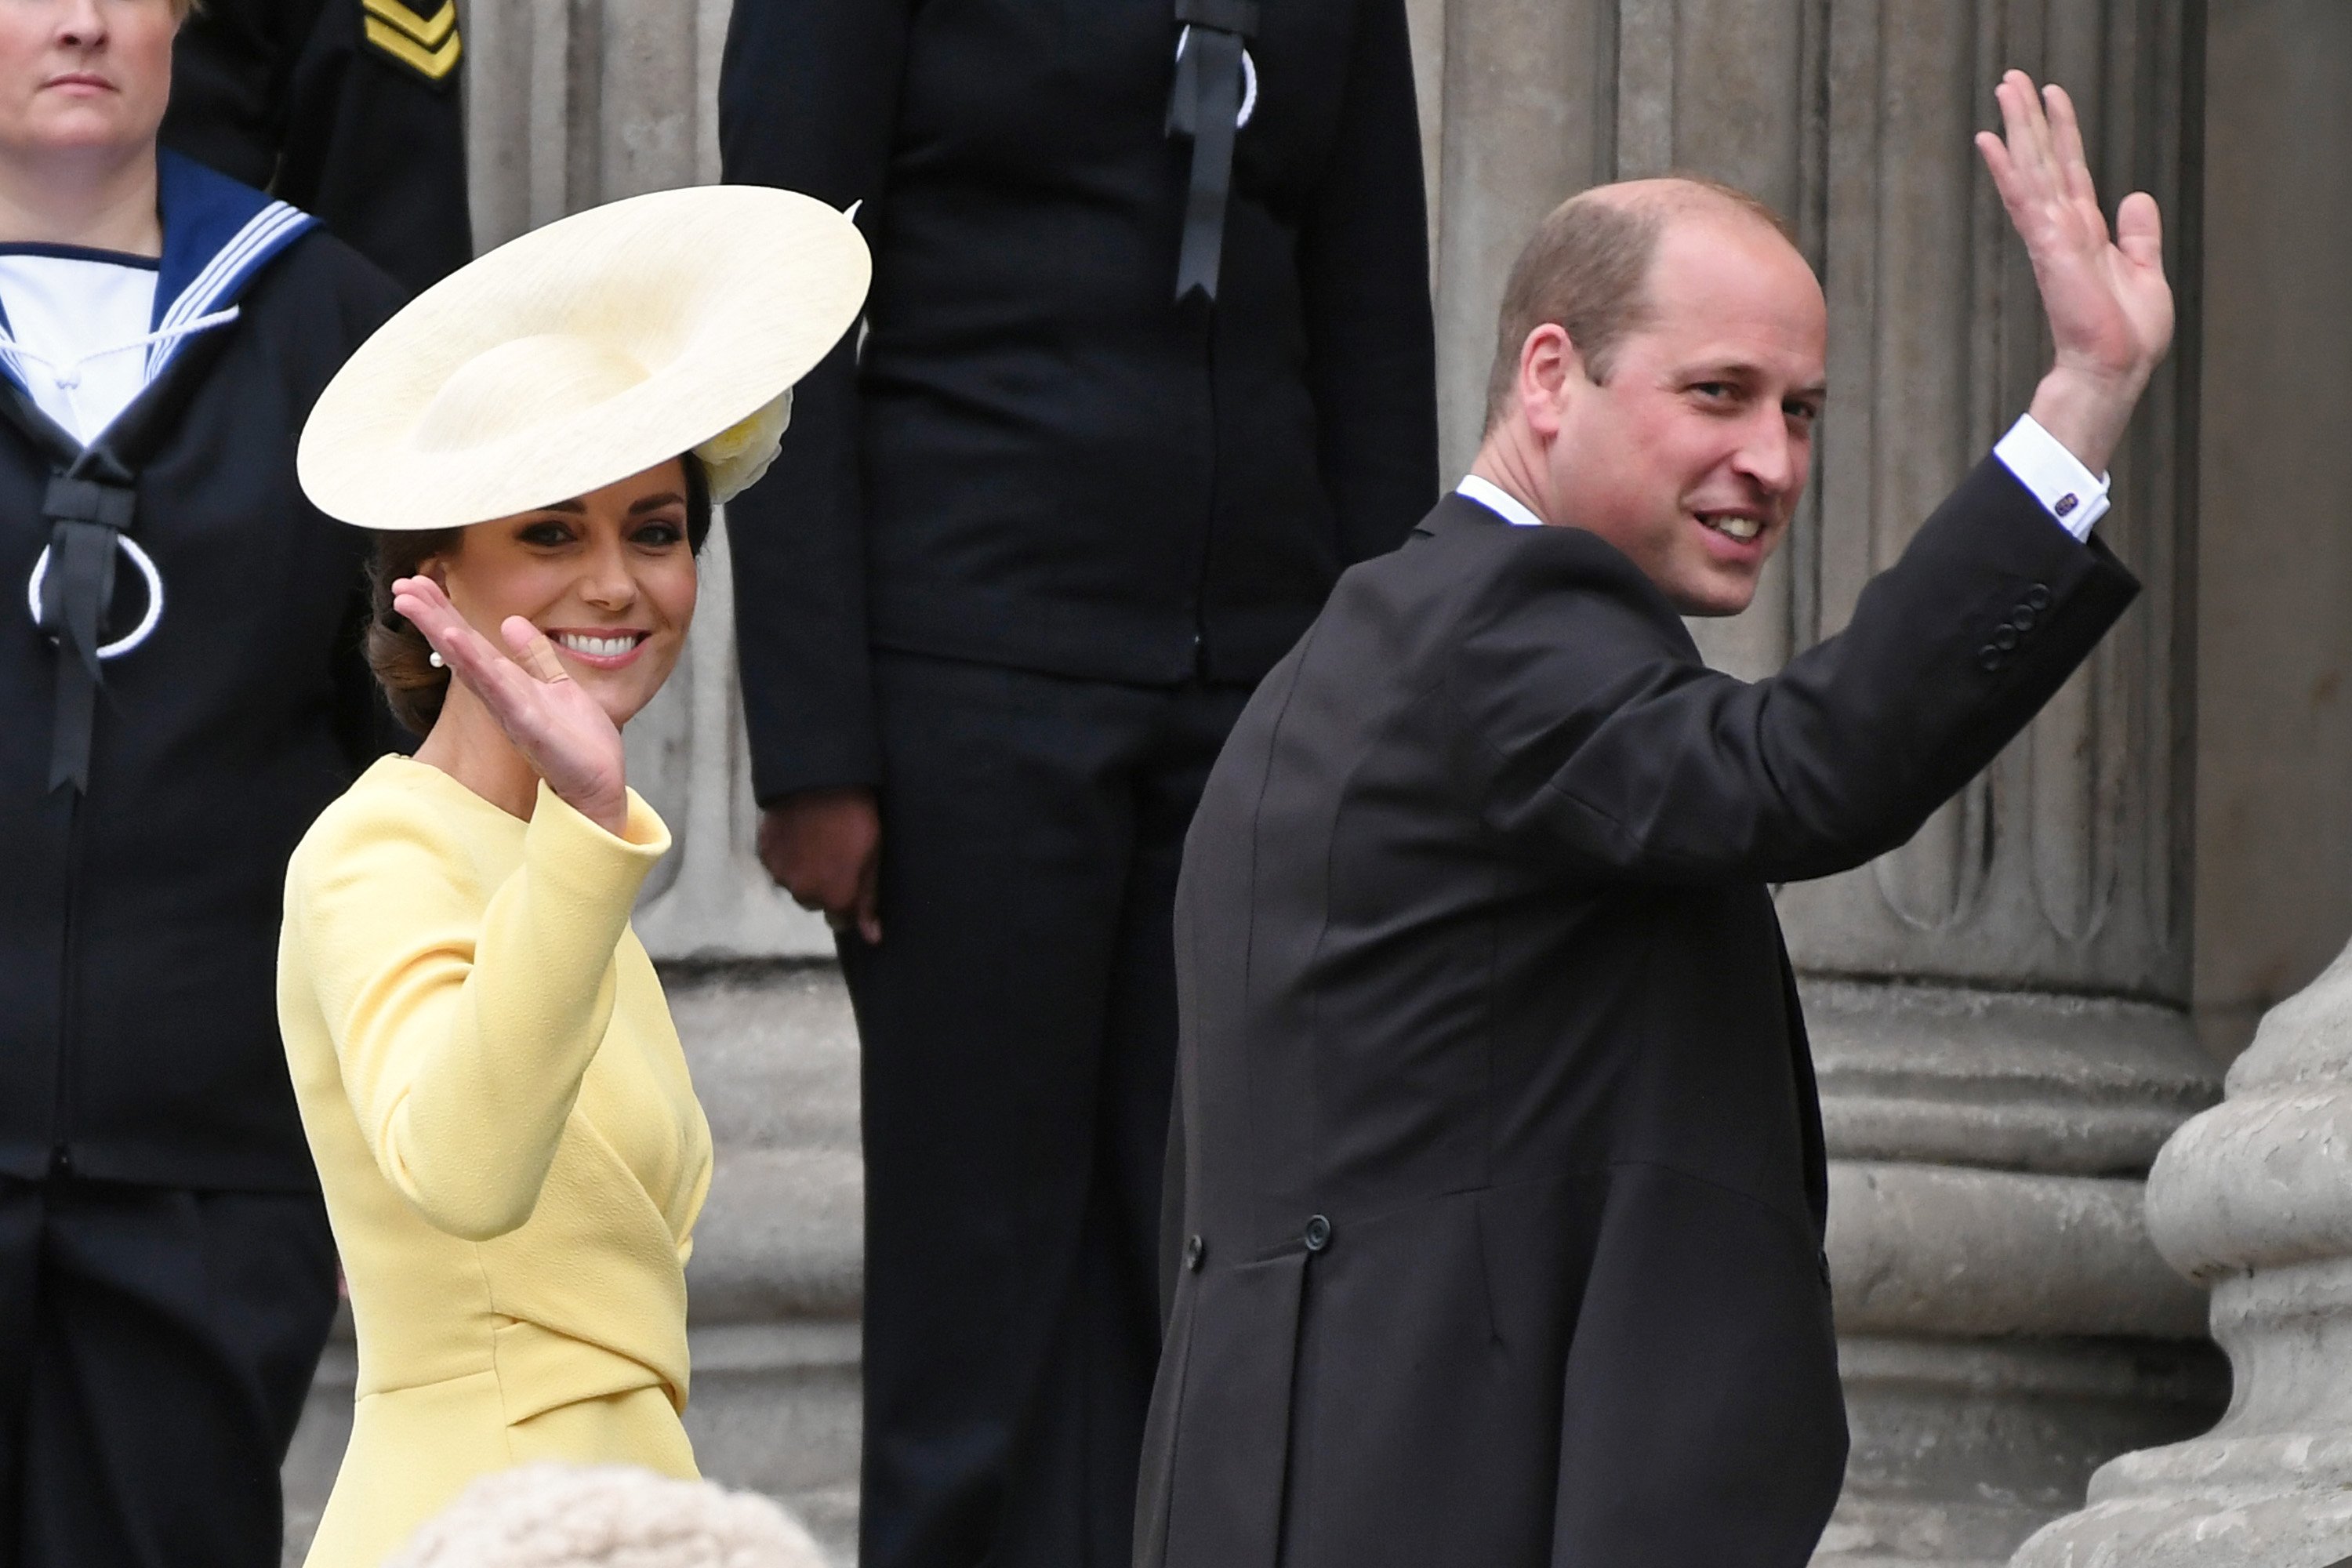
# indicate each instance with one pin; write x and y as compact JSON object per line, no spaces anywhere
{"x":1205,"y":104}
{"x":87,"y":519}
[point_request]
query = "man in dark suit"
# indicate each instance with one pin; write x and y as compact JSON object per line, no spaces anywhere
{"x":1148,"y":361}
{"x":1506,"y":1180}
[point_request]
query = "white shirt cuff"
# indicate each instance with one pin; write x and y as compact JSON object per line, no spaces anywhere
{"x":2071,"y":493}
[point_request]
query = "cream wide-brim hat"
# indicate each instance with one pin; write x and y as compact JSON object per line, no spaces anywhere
{"x":583,"y":352}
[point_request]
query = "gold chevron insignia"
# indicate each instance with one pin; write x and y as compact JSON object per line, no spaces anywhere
{"x":428,"y":45}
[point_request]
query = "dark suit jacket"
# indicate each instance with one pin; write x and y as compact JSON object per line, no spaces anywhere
{"x":1504,"y":1160}
{"x":1042,"y":462}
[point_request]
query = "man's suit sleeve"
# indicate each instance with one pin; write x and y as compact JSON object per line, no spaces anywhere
{"x":808,"y":99}
{"x":1592,"y":734}
{"x":1363,"y":265}
{"x":347,"y":111}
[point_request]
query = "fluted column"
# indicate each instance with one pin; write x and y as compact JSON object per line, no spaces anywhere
{"x":2253,"y":1199}
{"x":570,"y":103}
{"x":1999,"y":1008}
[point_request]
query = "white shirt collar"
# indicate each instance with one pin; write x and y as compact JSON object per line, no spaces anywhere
{"x":1498,"y":501}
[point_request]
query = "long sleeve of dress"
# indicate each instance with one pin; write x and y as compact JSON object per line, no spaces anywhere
{"x":463,"y":1023}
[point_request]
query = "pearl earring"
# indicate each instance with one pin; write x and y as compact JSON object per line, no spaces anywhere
{"x":434,"y":659}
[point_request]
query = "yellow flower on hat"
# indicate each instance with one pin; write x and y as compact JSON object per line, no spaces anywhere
{"x":736,"y":457}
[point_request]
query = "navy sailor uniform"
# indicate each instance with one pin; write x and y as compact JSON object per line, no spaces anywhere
{"x":180,"y":693}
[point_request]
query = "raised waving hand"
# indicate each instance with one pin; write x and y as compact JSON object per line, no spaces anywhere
{"x":563,"y":732}
{"x":2109,"y":307}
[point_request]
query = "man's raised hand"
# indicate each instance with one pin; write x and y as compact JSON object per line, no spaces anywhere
{"x":563,"y":732}
{"x":2110,"y":309}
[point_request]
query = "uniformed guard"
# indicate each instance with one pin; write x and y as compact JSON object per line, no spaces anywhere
{"x":347,"y":109}
{"x":1149,"y":361}
{"x":180,"y":690}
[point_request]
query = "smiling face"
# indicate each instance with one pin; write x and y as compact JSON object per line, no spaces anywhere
{"x":84,"y":76}
{"x":1691,"y":456}
{"x":609,"y":578}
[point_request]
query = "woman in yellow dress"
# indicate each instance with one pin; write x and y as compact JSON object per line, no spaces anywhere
{"x":511,"y":1150}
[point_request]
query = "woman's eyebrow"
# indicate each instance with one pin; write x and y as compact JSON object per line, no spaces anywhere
{"x":651,"y":503}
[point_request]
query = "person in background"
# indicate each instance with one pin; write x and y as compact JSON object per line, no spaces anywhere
{"x":180,"y":690}
{"x":350,"y":110}
{"x":1148,"y":362}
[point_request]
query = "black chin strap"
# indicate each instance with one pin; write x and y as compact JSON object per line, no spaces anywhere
{"x":1205,"y":106}
{"x":88,"y":519}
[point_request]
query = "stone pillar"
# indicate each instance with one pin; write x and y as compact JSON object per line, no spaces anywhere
{"x":1999,"y":1009}
{"x":570,"y":103}
{"x":2255,"y":1198}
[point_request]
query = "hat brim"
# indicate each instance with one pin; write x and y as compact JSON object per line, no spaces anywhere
{"x":724,"y":295}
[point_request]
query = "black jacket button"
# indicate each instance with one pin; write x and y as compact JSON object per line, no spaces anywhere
{"x":1989,"y":657}
{"x":2005,"y":637}
{"x":1195,"y":1249}
{"x":1318,"y":1233}
{"x":2024,"y":619}
{"x":2038,"y":597}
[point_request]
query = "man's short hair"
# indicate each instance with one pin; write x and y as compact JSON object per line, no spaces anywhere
{"x":1586,"y":270}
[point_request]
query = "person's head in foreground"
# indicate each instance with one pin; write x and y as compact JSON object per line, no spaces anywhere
{"x":539,"y":441}
{"x":606,"y":1516}
{"x":1659,"y":365}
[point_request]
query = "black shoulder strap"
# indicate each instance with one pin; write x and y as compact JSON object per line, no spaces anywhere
{"x":1206,"y":106}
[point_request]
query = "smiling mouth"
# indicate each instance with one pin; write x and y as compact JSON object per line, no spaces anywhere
{"x":591,"y":646}
{"x":1732,"y":524}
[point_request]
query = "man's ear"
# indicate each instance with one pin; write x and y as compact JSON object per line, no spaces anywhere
{"x":1550,"y":371}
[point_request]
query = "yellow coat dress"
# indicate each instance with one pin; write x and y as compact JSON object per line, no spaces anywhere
{"x":511,"y":1150}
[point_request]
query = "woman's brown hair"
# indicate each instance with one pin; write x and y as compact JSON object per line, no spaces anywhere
{"x":413,"y":685}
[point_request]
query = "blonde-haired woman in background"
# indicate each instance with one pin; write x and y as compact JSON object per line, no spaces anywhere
{"x":511,"y":1150}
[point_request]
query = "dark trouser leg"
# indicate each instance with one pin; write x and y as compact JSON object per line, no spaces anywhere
{"x":174,"y":1336}
{"x":1010,"y":1273}
{"x":1073,"y":1476}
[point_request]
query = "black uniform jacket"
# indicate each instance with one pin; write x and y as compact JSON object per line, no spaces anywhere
{"x":1042,"y":462}
{"x":1505,"y":1157}
{"x":138,"y":922}
{"x":348,"y":109}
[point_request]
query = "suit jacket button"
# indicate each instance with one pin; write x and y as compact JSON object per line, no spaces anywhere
{"x":2023,"y":618}
{"x":2005,"y":638}
{"x":1318,"y":1233}
{"x":1195,"y":1249}
{"x":2038,"y":597}
{"x":1989,"y":657}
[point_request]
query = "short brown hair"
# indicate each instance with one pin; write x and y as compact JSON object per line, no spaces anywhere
{"x":1586,"y":271}
{"x":413,"y":685}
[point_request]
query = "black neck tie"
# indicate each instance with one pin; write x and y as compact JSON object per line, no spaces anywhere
{"x":87,"y":519}
{"x":1205,"y":106}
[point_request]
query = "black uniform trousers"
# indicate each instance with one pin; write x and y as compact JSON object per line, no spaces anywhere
{"x":158,"y":1344}
{"x":1018,"y":1021}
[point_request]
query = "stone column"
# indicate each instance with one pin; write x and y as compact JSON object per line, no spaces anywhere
{"x":570,"y":103}
{"x":1999,"y":1009}
{"x":2255,"y":1198}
